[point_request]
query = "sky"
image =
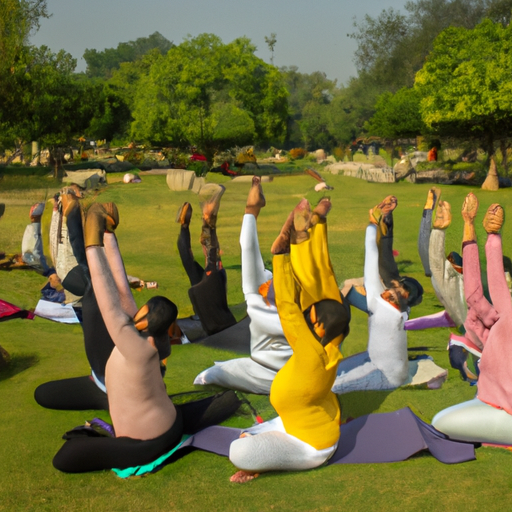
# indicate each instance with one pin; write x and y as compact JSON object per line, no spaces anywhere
{"x":311,"y":34}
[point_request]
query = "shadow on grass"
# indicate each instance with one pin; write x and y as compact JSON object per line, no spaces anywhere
{"x":403,"y":265}
{"x":18,"y":364}
{"x":359,"y":403}
{"x":233,"y":267}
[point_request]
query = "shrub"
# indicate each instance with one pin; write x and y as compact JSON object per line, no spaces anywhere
{"x":297,"y":153}
{"x":339,"y":154}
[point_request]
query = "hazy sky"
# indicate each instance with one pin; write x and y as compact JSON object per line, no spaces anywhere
{"x":311,"y":34}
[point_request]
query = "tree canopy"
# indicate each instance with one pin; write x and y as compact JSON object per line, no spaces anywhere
{"x":103,"y":63}
{"x":186,"y":95}
{"x":465,"y":84}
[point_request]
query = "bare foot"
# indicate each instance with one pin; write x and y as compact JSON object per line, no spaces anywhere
{"x":387,"y":205}
{"x":301,"y":222}
{"x":281,"y":244}
{"x":375,"y":215}
{"x":255,"y":199}
{"x":69,"y":203}
{"x":240,"y":477}
{"x":321,"y":210}
{"x":184,"y":214}
{"x":443,"y":215}
{"x":470,"y":208}
{"x":493,"y":220}
{"x":210,"y":196}
{"x":432,"y":197}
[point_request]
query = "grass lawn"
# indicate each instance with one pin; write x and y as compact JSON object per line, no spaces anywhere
{"x":42,"y":351}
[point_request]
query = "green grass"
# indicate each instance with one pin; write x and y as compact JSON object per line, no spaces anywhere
{"x":42,"y":351}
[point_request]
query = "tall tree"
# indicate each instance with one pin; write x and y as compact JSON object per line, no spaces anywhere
{"x":103,"y":63}
{"x":187,"y":94}
{"x":397,"y":115}
{"x":465,"y":84}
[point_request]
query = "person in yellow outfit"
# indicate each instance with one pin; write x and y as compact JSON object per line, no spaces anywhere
{"x":315,"y":319}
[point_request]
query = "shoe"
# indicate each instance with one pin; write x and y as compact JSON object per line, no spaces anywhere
{"x":184,"y":214}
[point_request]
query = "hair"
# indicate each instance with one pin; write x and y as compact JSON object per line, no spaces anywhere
{"x":162,"y":313}
{"x":415,"y":290}
{"x":334,"y":315}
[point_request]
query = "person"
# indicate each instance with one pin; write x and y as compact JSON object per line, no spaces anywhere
{"x":315,"y":319}
{"x":353,"y":289}
{"x":448,"y":283}
{"x":208,"y":291}
{"x":384,"y":365}
{"x":145,"y":421}
{"x":268,"y":345}
{"x":488,"y":417}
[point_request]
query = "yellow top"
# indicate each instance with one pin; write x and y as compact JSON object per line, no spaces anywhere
{"x":301,"y":391}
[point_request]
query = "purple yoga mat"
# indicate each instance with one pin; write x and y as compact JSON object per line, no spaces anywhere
{"x":386,"y":437}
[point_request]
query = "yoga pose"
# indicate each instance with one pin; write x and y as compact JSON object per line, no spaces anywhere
{"x":145,"y":420}
{"x":315,"y":320}
{"x":385,"y":363}
{"x":488,"y":417}
{"x":269,"y":348}
{"x":448,"y":283}
{"x":208,"y":292}
{"x":354,"y":290}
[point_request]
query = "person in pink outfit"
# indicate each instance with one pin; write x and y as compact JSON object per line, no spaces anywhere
{"x":488,"y":417}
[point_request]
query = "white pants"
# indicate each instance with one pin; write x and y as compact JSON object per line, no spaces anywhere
{"x":270,"y":448}
{"x":269,"y":348}
{"x":475,"y":421}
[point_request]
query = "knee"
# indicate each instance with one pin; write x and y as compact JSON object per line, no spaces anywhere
{"x":241,"y":453}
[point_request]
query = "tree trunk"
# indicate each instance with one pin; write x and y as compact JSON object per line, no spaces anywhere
{"x":56,"y":160}
{"x":504,"y":147}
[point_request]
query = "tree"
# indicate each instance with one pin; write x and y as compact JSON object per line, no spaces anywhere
{"x":102,"y":64}
{"x":465,"y":84}
{"x":309,"y":108}
{"x":18,"y":20}
{"x":397,"y":115}
{"x":186,"y":94}
{"x":43,"y":100}
{"x":271,"y":43}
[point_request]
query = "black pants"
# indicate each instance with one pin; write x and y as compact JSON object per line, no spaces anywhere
{"x":387,"y":265}
{"x":208,"y":291}
{"x":82,"y":454}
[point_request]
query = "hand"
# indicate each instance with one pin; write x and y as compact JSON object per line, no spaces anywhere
{"x":470,"y":208}
{"x":100,"y":218}
{"x":443,"y":215}
{"x":494,"y":219}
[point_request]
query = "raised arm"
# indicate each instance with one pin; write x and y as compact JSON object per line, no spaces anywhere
{"x":372,"y":281}
{"x":100,"y":223}
{"x":116,"y":264}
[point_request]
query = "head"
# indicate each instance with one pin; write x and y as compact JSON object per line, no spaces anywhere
{"x":156,"y":319}
{"x":456,"y":260}
{"x":404,"y":293}
{"x":328,"y":320}
{"x":36,"y":211}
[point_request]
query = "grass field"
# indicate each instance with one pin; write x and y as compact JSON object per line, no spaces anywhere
{"x":42,"y":351}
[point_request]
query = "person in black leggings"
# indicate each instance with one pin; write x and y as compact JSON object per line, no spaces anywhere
{"x":145,"y":421}
{"x":208,"y":286}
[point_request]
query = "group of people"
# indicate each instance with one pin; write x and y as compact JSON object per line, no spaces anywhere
{"x":299,"y":319}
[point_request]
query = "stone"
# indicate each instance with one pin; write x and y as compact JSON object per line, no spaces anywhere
{"x":180,"y":179}
{"x":491,"y":182}
{"x":88,"y":179}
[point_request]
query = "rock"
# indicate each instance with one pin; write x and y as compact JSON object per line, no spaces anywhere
{"x":179,"y":179}
{"x":89,"y":179}
{"x":491,"y":182}
{"x":365,"y":171}
{"x":198,"y":184}
{"x":320,"y":156}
